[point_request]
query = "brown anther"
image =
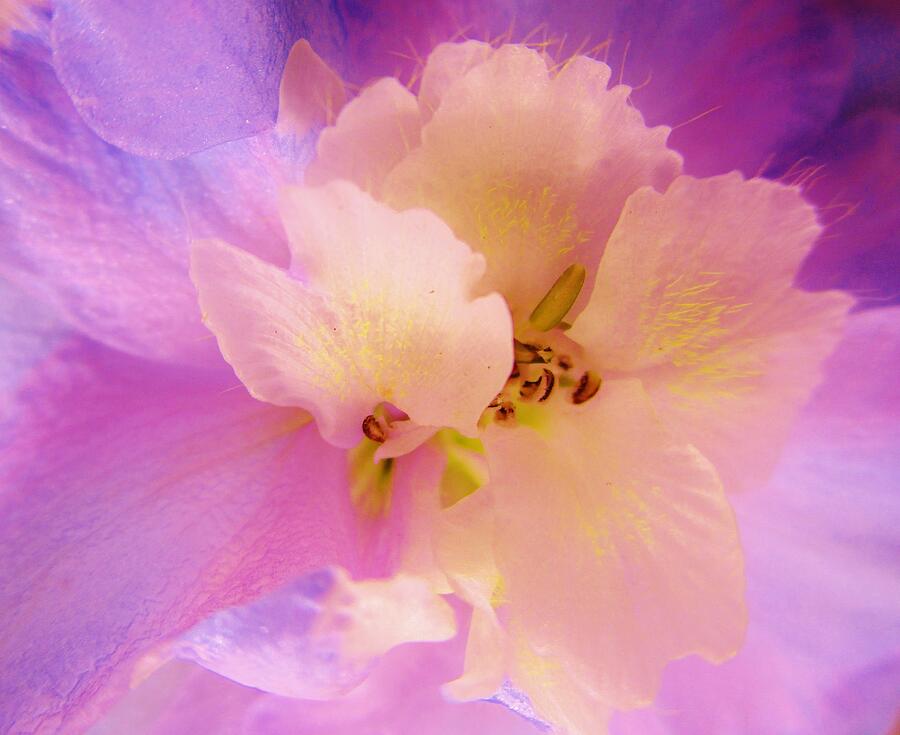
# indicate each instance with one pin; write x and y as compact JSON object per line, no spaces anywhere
{"x":505,"y":413}
{"x":564,"y":362}
{"x":496,"y":401}
{"x":587,"y":387}
{"x":549,"y":381}
{"x":514,"y":373}
{"x":529,"y":388}
{"x":373,"y":429}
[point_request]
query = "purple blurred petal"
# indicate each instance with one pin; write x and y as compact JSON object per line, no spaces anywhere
{"x":762,"y":74}
{"x":102,"y":235}
{"x":823,"y":537}
{"x":768,"y":74}
{"x":137,"y":500}
{"x":761,"y":691}
{"x":320,"y":635}
{"x":866,"y":703}
{"x":173,"y":77}
{"x":858,"y":191}
{"x":401,"y":697}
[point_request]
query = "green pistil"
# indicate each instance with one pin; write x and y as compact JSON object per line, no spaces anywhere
{"x":559,"y":299}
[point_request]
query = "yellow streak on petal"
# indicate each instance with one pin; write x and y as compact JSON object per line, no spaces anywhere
{"x":688,"y":320}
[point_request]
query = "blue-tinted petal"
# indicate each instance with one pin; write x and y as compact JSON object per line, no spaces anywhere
{"x":102,"y":235}
{"x":170,"y":77}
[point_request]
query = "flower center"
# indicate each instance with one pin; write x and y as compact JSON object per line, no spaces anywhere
{"x":538,"y":372}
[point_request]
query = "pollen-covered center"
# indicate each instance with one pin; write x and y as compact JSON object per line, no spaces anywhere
{"x":537,"y":374}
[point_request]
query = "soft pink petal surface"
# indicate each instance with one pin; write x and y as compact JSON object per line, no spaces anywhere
{"x":137,"y":500}
{"x":446,"y":63}
{"x":373,"y":134}
{"x":695,"y":295}
{"x":378,"y":307}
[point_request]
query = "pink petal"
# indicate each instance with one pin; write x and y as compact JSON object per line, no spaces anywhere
{"x":463,"y":539}
{"x":386,"y":314}
{"x":536,"y":178}
{"x":319,"y":636}
{"x":137,"y":500}
{"x":695,"y":288}
{"x":618,"y":552}
{"x":311,"y":93}
{"x":372,"y":135}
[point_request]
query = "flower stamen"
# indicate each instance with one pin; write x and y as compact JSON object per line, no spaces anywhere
{"x":373,"y":429}
{"x":587,"y":387}
{"x":506,"y":413}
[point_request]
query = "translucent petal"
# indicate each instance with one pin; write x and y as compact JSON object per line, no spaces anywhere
{"x":531,"y":167}
{"x":617,"y":549}
{"x":694,"y":293}
{"x":382,"y":312}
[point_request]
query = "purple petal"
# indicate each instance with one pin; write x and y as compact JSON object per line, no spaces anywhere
{"x":319,"y":636}
{"x":137,"y":500}
{"x":823,"y":537}
{"x":173,"y":77}
{"x":27,"y":334}
{"x":401,"y":697}
{"x":767,"y":74}
{"x":737,"y":80}
{"x":856,"y":184}
{"x":762,"y":75}
{"x":102,"y":235}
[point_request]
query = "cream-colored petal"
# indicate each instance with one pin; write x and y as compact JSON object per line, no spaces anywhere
{"x":695,"y":294}
{"x":403,"y":437}
{"x":311,"y":93}
{"x":378,"y":307}
{"x":373,"y":133}
{"x":463,"y":539}
{"x":617,"y":549}
{"x":532,"y":167}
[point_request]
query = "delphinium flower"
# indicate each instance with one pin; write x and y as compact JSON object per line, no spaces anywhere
{"x":517,"y":358}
